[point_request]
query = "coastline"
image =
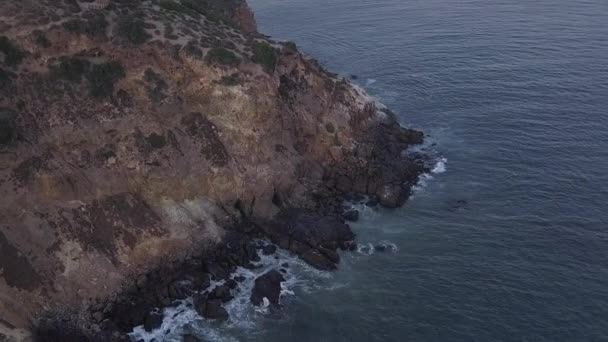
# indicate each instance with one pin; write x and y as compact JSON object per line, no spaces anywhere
{"x":352,"y":148}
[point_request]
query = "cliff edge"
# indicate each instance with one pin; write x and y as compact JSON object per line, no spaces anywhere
{"x":136,"y":134}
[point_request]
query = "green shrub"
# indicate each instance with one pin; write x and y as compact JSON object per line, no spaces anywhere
{"x":40,"y":39}
{"x":8,"y":126}
{"x":183,"y":7}
{"x":72,"y":69}
{"x":291,"y":46}
{"x":230,"y":80}
{"x":132,"y":30}
{"x":102,"y":77}
{"x":265,"y":55}
{"x":222,"y":56}
{"x":95,"y":27}
{"x":12,"y":54}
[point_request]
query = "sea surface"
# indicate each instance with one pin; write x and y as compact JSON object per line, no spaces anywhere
{"x":507,"y":238}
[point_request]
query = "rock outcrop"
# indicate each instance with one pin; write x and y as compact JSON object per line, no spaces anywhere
{"x":141,"y":136}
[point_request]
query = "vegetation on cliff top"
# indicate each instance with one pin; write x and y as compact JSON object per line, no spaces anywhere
{"x":12,"y":54}
{"x":222,"y":56}
{"x":265,"y":55}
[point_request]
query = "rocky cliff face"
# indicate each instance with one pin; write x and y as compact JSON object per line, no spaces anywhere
{"x":137,"y":134}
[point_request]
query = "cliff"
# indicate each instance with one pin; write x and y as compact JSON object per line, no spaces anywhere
{"x":134,"y":134}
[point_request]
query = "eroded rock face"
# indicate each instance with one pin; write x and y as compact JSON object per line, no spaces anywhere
{"x":132,"y":137}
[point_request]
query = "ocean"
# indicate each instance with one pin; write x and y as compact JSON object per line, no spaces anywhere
{"x":507,"y":238}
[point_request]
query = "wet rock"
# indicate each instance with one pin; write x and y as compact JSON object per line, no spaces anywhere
{"x":267,"y":285}
{"x":372,"y":203}
{"x":210,"y":308}
{"x":217,"y":271}
{"x":222,"y":293}
{"x":308,"y":228}
{"x":190,"y":338}
{"x":351,"y":215}
{"x":153,"y":321}
{"x":380,"y":248}
{"x":232,"y":284}
{"x":318,"y":260}
{"x":392,"y":196}
{"x":180,"y":289}
{"x":269,"y":249}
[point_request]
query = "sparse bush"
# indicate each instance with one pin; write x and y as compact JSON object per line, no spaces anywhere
{"x":230,"y":80}
{"x":222,"y":56}
{"x":156,"y":85}
{"x":12,"y":54}
{"x":95,"y":26}
{"x":72,"y":69}
{"x":182,"y":7}
{"x":40,"y":39}
{"x":291,"y":46}
{"x":132,"y":30}
{"x":265,"y":55}
{"x":102,"y":77}
{"x":8,"y":126}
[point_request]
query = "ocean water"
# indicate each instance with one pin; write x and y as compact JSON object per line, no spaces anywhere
{"x":507,"y":238}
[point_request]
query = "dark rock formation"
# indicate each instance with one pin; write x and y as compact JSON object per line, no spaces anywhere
{"x":210,"y":308}
{"x":267,"y":286}
{"x":351,"y":215}
{"x":153,"y":321}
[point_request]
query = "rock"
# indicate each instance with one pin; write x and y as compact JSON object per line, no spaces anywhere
{"x":222,"y":293}
{"x":239,"y":278}
{"x":210,"y":308}
{"x":392,"y":196}
{"x":351,"y":215}
{"x":180,"y":289}
{"x":283,"y":271}
{"x":308,"y":228}
{"x":267,"y":286}
{"x":372,"y":202}
{"x":153,"y":321}
{"x":318,"y":260}
{"x":269,"y":249}
{"x":232,"y":284}
{"x":190,"y":338}
{"x":380,"y":248}
{"x":286,"y":265}
{"x":217,"y":271}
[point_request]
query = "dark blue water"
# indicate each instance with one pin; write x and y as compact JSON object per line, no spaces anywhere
{"x":507,"y":240}
{"x":515,"y":95}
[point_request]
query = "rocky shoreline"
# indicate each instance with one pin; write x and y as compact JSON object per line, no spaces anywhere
{"x":145,"y":147}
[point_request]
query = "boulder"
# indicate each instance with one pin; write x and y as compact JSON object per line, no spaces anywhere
{"x":190,"y":338}
{"x":351,"y":215}
{"x":210,"y":308}
{"x":222,"y":293}
{"x":153,"y":321}
{"x":392,"y":195}
{"x":267,"y":286}
{"x":269,"y":249}
{"x":318,"y":260}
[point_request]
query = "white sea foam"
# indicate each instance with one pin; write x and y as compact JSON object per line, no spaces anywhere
{"x":370,"y":81}
{"x":183,"y":319}
{"x":440,"y":166}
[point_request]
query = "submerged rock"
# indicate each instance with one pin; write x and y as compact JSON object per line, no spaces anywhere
{"x":267,"y":286}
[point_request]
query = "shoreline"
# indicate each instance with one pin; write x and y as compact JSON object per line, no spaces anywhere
{"x":118,"y":197}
